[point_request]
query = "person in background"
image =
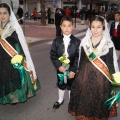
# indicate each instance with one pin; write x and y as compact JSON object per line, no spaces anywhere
{"x":18,"y":79}
{"x":92,"y":86}
{"x":68,"y":45}
{"x":20,"y":14}
{"x":82,"y":14}
{"x":62,"y":11}
{"x":35,"y":14}
{"x":58,"y":17}
{"x":48,"y":15}
{"x":67,"y":11}
{"x":52,"y":16}
{"x":102,"y":12}
{"x":115,"y":33}
{"x":95,"y":11}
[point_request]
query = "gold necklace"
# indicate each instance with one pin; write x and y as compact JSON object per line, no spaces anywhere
{"x":94,"y":47}
{"x":95,"y":50}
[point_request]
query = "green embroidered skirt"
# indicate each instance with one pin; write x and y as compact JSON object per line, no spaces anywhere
{"x":20,"y":92}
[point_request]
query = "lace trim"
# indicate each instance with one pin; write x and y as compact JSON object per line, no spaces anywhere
{"x":81,"y":117}
{"x":8,"y":30}
{"x":113,"y":113}
{"x":85,"y":118}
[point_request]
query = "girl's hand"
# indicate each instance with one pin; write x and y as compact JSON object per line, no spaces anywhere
{"x":71,"y":74}
{"x":62,"y":69}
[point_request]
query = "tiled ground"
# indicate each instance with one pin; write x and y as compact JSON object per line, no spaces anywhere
{"x":42,"y":32}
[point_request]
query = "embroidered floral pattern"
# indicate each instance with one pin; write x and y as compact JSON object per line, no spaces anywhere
{"x":90,"y":90}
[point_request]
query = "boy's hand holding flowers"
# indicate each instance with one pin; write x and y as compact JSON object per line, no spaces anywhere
{"x":64,"y":68}
{"x":71,"y":75}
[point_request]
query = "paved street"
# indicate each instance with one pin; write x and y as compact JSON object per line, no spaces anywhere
{"x":36,"y":33}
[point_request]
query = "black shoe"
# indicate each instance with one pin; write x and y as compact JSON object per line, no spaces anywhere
{"x":14,"y":104}
{"x":57,"y":104}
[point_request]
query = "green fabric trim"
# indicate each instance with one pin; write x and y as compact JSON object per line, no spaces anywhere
{"x":38,"y":85}
{"x":17,"y":47}
{"x":23,"y":93}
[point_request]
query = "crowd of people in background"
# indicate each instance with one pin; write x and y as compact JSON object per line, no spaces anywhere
{"x":83,"y":13}
{"x":54,"y":15}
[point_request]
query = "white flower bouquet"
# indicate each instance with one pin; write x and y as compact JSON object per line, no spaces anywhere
{"x":116,"y":79}
{"x":65,"y":63}
{"x":116,"y":94}
{"x":64,"y":60}
{"x":17,"y":59}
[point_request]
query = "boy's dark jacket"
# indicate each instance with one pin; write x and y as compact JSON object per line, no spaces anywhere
{"x":116,"y":40}
{"x":57,"y":50}
{"x":112,"y":29}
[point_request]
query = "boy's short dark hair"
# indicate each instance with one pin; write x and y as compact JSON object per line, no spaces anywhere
{"x":66,"y":18}
{"x":57,"y":9}
{"x":117,"y":13}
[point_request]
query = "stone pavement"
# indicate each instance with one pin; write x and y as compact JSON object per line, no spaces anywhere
{"x":35,"y":33}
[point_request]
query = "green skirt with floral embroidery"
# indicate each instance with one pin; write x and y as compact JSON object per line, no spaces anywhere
{"x":25,"y":91}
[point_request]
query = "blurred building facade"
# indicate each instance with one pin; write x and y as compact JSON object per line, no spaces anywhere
{"x":28,"y":5}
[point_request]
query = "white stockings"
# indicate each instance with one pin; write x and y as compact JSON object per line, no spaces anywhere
{"x":61,"y":95}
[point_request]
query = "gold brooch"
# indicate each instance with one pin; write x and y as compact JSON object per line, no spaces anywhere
{"x":1,"y":32}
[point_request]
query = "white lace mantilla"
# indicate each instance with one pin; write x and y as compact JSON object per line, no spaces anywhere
{"x":8,"y":30}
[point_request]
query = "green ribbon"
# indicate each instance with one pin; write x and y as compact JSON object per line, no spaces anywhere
{"x":21,"y":71}
{"x":114,"y":84}
{"x":61,"y":76}
{"x":113,"y":90}
{"x":112,"y":100}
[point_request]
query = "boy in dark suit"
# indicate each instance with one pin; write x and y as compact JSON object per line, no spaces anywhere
{"x":66,"y":44}
{"x":115,"y":33}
